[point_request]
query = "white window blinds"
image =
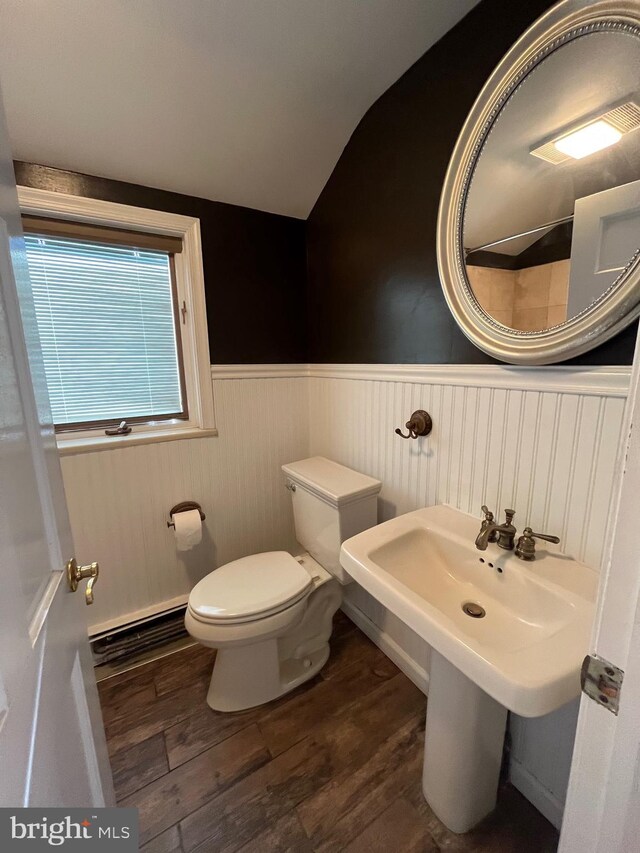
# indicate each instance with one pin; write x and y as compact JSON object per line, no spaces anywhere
{"x":107,"y":328}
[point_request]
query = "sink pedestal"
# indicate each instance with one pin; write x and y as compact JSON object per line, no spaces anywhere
{"x":463,"y":747}
{"x":424,"y":568}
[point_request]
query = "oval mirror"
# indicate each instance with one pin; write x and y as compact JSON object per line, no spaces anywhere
{"x":539,"y":226}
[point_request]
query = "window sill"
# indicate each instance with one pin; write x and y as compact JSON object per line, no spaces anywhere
{"x":68,"y":446}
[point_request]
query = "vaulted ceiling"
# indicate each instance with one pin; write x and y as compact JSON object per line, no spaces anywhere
{"x":245,"y":101}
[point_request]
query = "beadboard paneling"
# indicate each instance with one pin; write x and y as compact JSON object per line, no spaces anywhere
{"x":543,"y":440}
{"x":549,"y":455}
{"x":549,"y":452}
{"x":119,"y":499}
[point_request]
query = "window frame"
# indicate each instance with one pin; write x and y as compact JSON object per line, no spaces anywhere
{"x":127,"y":239}
{"x":188,"y":280}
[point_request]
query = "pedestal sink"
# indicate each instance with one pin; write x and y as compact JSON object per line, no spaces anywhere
{"x":506,"y":635}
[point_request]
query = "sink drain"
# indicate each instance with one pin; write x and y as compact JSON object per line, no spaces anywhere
{"x":473,"y":609}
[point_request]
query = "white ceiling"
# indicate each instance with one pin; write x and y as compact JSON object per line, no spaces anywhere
{"x":245,"y":101}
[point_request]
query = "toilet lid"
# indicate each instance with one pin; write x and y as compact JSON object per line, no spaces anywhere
{"x":250,"y":587}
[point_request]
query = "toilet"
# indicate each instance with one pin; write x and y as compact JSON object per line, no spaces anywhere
{"x":270,"y":615}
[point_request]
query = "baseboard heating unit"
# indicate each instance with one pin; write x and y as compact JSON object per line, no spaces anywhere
{"x":121,"y":644}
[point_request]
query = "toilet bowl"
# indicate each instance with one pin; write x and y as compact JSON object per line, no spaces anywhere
{"x":268,"y":641}
{"x":269,"y":615}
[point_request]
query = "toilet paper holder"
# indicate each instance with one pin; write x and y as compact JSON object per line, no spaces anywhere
{"x":185,"y":506}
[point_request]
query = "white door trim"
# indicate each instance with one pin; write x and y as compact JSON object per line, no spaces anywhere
{"x":603,"y":801}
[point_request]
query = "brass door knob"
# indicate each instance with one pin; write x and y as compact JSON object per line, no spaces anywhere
{"x":76,"y":573}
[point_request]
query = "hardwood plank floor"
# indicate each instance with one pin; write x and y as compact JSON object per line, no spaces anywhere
{"x":335,"y":765}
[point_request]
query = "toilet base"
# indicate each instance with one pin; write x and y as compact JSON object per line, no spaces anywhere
{"x":246,"y":676}
{"x":253,"y":673}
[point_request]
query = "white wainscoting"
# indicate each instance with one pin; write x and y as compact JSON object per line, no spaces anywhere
{"x":548,"y":454}
{"x":119,"y":499}
{"x":541,"y":440}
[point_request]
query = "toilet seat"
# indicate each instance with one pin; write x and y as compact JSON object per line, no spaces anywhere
{"x":250,"y":589}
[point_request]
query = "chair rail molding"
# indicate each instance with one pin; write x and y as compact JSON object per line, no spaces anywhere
{"x":608,"y":381}
{"x":259,"y":371}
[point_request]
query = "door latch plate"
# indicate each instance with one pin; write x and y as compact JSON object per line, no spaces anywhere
{"x":602,"y":682}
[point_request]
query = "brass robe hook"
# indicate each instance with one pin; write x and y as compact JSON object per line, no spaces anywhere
{"x":419,"y":423}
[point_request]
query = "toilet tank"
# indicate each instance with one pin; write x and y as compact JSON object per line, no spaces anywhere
{"x":330,"y":504}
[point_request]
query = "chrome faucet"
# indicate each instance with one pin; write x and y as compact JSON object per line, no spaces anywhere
{"x":506,"y":533}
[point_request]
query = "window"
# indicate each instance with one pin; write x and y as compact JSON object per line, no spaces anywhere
{"x":116,"y":312}
{"x":106,"y":314}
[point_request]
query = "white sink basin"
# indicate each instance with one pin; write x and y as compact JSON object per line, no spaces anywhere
{"x":524,"y":653}
{"x":527,"y":650}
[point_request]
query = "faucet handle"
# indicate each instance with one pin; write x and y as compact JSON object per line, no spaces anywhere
{"x":487,"y":520}
{"x":488,"y":515}
{"x":526,"y":547}
{"x":546,"y":536}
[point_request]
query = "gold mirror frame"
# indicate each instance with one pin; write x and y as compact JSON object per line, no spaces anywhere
{"x":620,"y":304}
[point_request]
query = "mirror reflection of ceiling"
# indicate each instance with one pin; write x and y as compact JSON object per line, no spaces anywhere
{"x":513,"y":191}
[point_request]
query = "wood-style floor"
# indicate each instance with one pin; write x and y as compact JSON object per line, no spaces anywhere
{"x":336,"y":765}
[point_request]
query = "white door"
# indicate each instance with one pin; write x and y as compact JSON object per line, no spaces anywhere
{"x":52,"y":746}
{"x":602,"y":813}
{"x":605,"y":238}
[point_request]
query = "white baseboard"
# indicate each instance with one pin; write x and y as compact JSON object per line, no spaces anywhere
{"x":530,"y":788}
{"x":388,"y":645}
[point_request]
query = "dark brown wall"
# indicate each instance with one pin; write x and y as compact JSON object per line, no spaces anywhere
{"x":374,"y":291}
{"x":254,"y":265}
